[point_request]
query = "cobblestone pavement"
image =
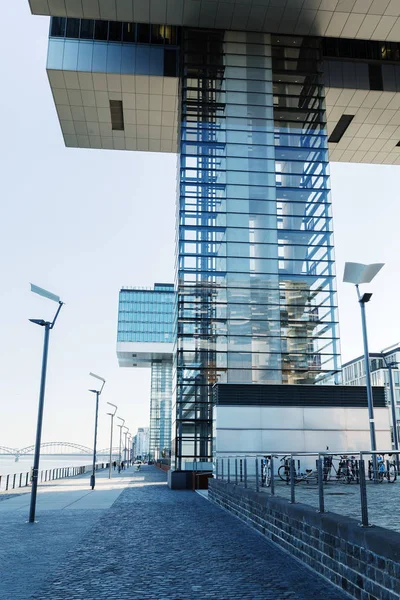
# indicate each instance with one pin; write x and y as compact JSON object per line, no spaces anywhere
{"x":158,"y":544}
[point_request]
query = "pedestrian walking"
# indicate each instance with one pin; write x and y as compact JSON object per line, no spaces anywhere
{"x":115,"y":464}
{"x":122,"y":465}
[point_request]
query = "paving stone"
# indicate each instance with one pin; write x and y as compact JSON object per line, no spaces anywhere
{"x":158,"y":544}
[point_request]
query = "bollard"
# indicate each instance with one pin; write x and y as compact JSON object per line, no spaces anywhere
{"x":216,"y":468}
{"x":257,"y":481}
{"x":320,"y":470}
{"x":292,"y":482}
{"x":241,"y":470}
{"x":27,"y":480}
{"x":20,"y":480}
{"x":363,"y":495}
{"x":245,"y":472}
{"x":222,"y":469}
{"x":7,"y":481}
{"x":229,"y":470}
{"x":271,"y":462}
{"x":13,"y":487}
{"x":236,"y":472}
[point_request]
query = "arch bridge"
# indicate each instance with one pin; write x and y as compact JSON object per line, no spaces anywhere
{"x":49,"y":448}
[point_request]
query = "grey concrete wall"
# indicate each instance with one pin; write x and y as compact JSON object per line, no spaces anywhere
{"x":363,"y":562}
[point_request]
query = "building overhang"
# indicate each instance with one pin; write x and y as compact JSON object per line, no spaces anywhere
{"x":143,"y":354}
{"x":357,"y":19}
{"x":374,"y":131}
{"x":149,"y":104}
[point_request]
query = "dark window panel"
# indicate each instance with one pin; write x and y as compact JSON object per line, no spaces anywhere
{"x":73,"y":26}
{"x":57,"y":28}
{"x":170,"y":63}
{"x":115,"y":31}
{"x":100,"y":30}
{"x":117,"y":115}
{"x":128,"y":32}
{"x":87,"y":29}
{"x":143,"y":33}
{"x":375,"y":77}
{"x":340,"y":128}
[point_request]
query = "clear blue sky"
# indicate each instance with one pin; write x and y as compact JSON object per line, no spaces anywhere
{"x":82,"y":223}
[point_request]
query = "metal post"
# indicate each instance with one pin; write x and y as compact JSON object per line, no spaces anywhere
{"x":363,"y":495}
{"x":222,"y":469}
{"x":216,"y":468}
{"x":229,"y":469}
{"x":271,"y":462}
{"x":320,"y":467}
{"x":393,"y":410}
{"x":93,"y":475}
{"x":236,"y":472}
{"x":36,"y":459}
{"x":292,"y":482}
{"x":257,"y":481}
{"x":111,"y":444}
{"x":241,"y":470}
{"x":368,"y":384}
{"x":245,"y":472}
{"x":7,"y":481}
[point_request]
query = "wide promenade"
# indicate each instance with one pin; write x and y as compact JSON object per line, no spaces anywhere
{"x":133,"y":538}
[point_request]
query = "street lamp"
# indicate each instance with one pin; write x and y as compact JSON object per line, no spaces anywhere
{"x":97,"y":392}
{"x":120,"y":438}
{"x":112,"y":415}
{"x":125,"y":434}
{"x":47,"y":327}
{"x":390,"y":366}
{"x":357,"y":274}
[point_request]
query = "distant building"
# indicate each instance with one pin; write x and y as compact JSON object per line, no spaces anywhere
{"x":354,"y":373}
{"x":145,"y":339}
{"x":140,"y":445}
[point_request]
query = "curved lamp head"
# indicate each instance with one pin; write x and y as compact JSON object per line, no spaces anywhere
{"x":358,"y":273}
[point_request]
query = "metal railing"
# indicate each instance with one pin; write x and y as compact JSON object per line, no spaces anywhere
{"x":20,"y":480}
{"x":267,"y":472}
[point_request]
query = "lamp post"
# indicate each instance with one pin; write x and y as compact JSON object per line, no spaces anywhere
{"x":47,"y":328}
{"x":97,"y":392}
{"x":130,"y":448}
{"x":357,"y":274}
{"x":120,"y":438}
{"x":390,"y":366}
{"x":112,"y":415}
{"x":125,"y":434}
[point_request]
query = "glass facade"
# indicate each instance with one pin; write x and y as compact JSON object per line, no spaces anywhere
{"x":160,"y":409}
{"x":146,"y":315}
{"x":112,"y":47}
{"x":255,"y":273}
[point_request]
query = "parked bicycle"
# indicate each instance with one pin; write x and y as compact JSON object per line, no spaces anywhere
{"x":386,"y":469}
{"x":266,"y":471}
{"x":345,"y":472}
{"x":309,"y":476}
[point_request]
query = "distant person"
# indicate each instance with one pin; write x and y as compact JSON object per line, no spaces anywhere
{"x":115,"y":464}
{"x":122,"y":465}
{"x":119,"y":467}
{"x":138,"y":467}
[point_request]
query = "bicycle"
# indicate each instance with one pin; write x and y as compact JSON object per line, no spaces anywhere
{"x":386,"y":469}
{"x":266,"y":471}
{"x":346,"y":472}
{"x":284,"y":472}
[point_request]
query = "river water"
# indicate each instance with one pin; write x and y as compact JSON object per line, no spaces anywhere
{"x":8,"y":465}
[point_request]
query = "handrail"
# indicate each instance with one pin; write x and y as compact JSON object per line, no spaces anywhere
{"x":257,"y":470}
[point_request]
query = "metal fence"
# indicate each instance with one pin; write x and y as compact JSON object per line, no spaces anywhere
{"x":290,"y":474}
{"x":20,"y":480}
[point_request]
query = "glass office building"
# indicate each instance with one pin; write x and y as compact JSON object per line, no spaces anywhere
{"x":256,"y":290}
{"x":252,"y":114}
{"x":144,"y":339}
